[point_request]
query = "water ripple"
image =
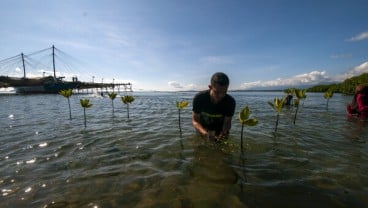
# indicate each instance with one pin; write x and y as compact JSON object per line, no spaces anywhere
{"x":48,"y":160}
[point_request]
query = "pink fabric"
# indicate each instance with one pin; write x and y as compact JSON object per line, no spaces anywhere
{"x":362,"y":101}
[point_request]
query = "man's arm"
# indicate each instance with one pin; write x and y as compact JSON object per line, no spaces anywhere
{"x":226,"y":126}
{"x":197,"y":125}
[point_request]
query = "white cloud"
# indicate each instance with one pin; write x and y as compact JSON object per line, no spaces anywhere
{"x":195,"y":87}
{"x":191,"y":86}
{"x":359,"y":37}
{"x":175,"y":84}
{"x":313,"y":77}
{"x":362,"y":68}
{"x":248,"y":85}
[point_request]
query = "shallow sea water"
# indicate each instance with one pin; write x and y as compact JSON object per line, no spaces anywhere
{"x":48,"y":160}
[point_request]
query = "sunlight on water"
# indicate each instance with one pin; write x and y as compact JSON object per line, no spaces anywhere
{"x":48,"y":160}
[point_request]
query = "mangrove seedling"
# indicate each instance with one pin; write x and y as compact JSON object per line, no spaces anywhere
{"x":300,"y":94}
{"x":85,"y":104}
{"x":328,"y":94}
{"x":112,"y":96}
{"x":296,"y":104}
{"x":245,"y":121}
{"x":277,"y":105}
{"x":67,"y":93}
{"x":181,"y":105}
{"x":128,"y":99}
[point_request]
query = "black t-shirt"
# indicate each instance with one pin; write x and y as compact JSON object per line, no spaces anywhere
{"x":212,"y":115}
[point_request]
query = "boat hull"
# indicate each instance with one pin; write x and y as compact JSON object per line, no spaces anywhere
{"x":46,"y":88}
{"x":37,"y":85}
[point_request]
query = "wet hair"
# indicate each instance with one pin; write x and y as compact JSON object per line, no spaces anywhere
{"x":220,"y":78}
{"x":361,"y":89}
{"x":365,"y":90}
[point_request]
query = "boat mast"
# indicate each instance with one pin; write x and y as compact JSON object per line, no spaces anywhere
{"x":53,"y":59}
{"x":24,"y":66}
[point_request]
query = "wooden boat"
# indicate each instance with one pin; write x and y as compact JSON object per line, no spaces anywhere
{"x":47,"y":84}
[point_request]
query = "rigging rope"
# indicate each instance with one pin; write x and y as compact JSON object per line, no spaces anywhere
{"x":35,"y":62}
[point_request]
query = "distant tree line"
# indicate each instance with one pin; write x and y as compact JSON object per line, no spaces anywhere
{"x":346,"y":87}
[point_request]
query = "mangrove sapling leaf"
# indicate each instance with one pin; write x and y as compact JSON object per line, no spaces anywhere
{"x":300,"y":94}
{"x":277,"y":105}
{"x":244,"y":119}
{"x":328,"y":95}
{"x":85,"y":104}
{"x":289,"y":91}
{"x":181,"y":105}
{"x":67,"y":93}
{"x":112,"y":96}
{"x":128,"y":99}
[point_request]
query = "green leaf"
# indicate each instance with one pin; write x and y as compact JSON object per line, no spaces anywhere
{"x":289,"y":91}
{"x":112,"y":95}
{"x":278,"y":104}
{"x":328,"y":94}
{"x":85,"y":103}
{"x":244,"y":114}
{"x":127,"y":99}
{"x":244,"y":119}
{"x":66,"y":93}
{"x":182,"y":104}
{"x":300,"y":93}
{"x":251,"y":122}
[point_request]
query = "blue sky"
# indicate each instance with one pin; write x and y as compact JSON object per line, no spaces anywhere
{"x":178,"y":45}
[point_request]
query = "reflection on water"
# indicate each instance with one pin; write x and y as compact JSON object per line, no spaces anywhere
{"x":48,"y":160}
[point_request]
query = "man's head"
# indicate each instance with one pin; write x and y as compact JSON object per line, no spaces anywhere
{"x":220,"y":78}
{"x":360,"y":88}
{"x":218,"y":87}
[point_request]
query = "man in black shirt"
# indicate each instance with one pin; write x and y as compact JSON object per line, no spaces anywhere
{"x":213,"y":108}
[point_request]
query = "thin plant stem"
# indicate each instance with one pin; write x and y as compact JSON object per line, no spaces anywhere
{"x":327,"y":104}
{"x":70,"y":110}
{"x":85,"y":120}
{"x":296,"y":112}
{"x":179,"y":122}
{"x":277,"y":121}
{"x":241,"y":137}
{"x":112,"y":103}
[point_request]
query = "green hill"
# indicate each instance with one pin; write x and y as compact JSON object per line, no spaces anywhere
{"x":346,"y":87}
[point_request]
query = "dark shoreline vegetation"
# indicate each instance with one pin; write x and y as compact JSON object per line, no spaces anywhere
{"x":346,"y":87}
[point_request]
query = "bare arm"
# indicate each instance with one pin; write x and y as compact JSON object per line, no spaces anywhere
{"x":226,"y":127}
{"x":354,"y":104}
{"x":197,"y":125}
